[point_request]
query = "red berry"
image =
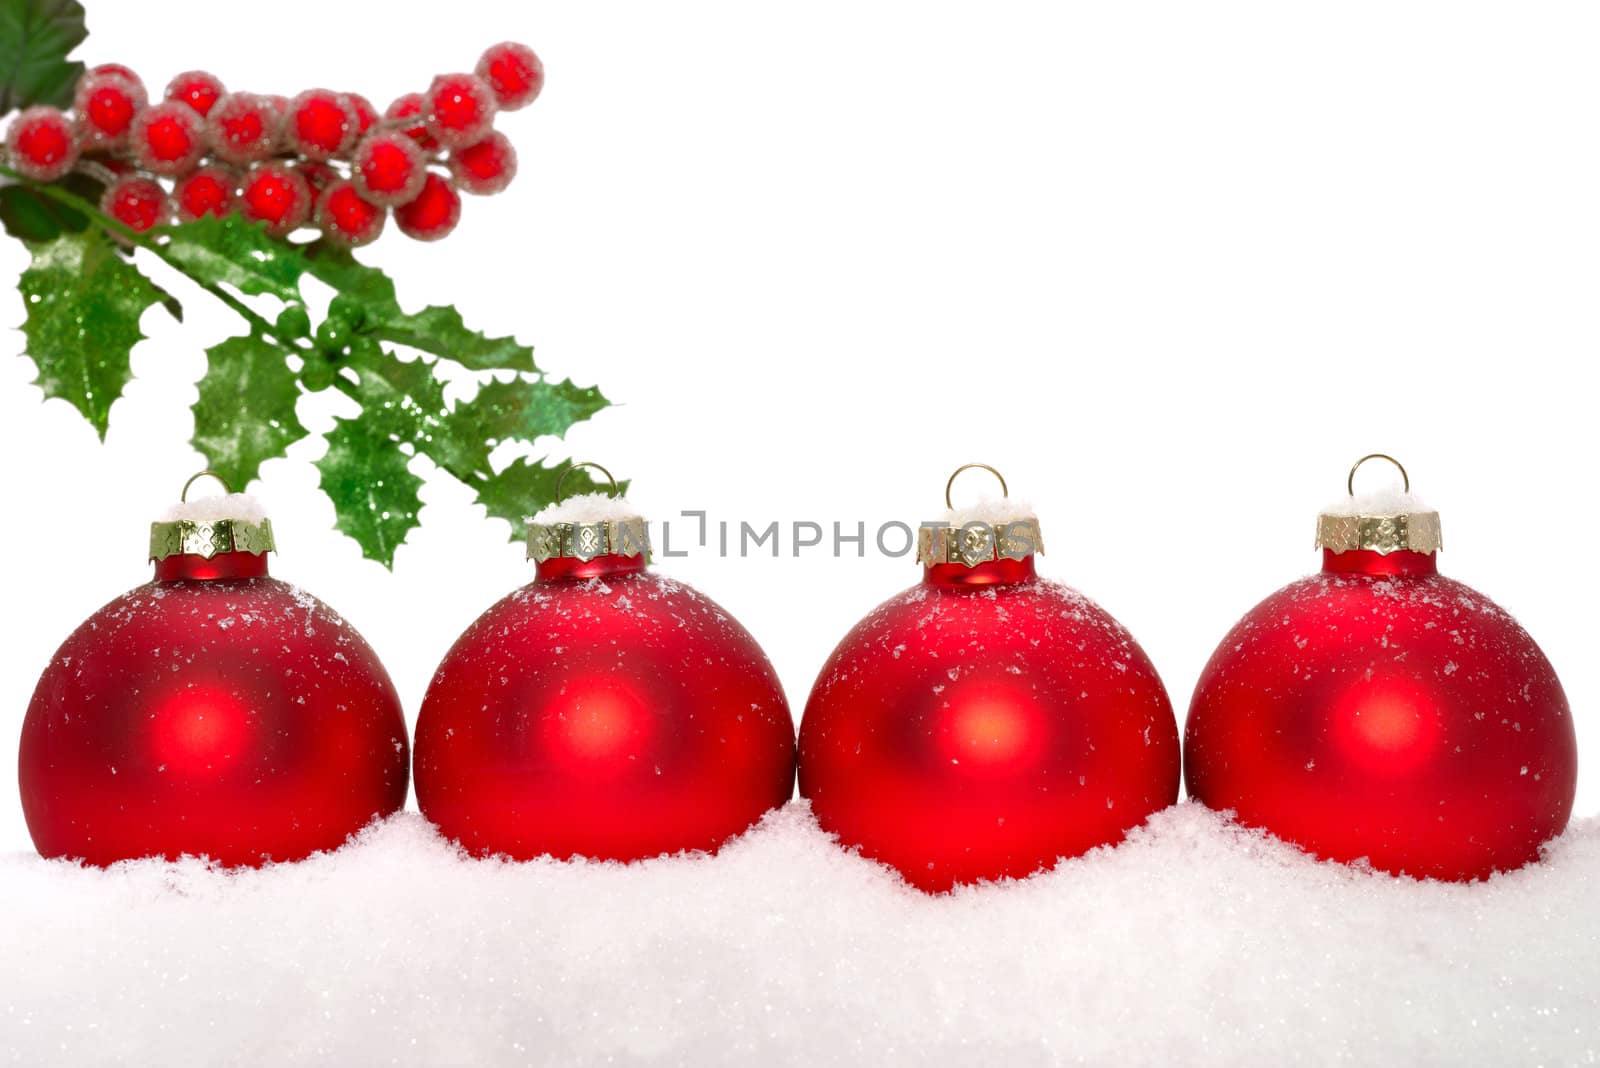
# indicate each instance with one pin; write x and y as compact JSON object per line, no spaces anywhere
{"x":126,"y":73}
{"x":346,"y":218}
{"x":486,"y":167}
{"x":321,"y":124}
{"x":136,"y":202}
{"x":208,"y":191}
{"x":433,"y":213}
{"x":42,"y":144}
{"x":198,"y":89}
{"x":168,"y":138}
{"x":105,"y":103}
{"x":318,"y":176}
{"x":366,"y":114}
{"x":514,"y":73}
{"x":459,"y":109}
{"x":243,"y":128}
{"x":389,"y":168}
{"x":276,"y":194}
{"x":407,"y":107}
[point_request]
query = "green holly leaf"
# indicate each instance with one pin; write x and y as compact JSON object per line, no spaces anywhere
{"x":35,"y":37}
{"x":524,"y":409}
{"x":83,"y":303}
{"x":242,"y":254}
{"x":525,"y":486}
{"x":245,"y":414}
{"x":436,"y":330}
{"x":373,"y":489}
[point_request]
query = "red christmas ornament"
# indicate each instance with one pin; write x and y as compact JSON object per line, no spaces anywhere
{"x":985,"y":722}
{"x":214,"y":711}
{"x":1381,"y":710}
{"x":601,"y":711}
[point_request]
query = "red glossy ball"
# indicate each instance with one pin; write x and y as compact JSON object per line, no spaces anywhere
{"x":1380,"y":710}
{"x":234,"y":717}
{"x":602,"y":711}
{"x":982,"y":725}
{"x":432,"y":213}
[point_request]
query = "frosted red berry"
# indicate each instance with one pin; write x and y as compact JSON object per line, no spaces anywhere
{"x":406,"y":113}
{"x":197,"y":88}
{"x":514,"y":72}
{"x":320,"y":124}
{"x":433,"y":213}
{"x":208,"y":191}
{"x":459,"y":109}
{"x":275,"y":194}
{"x":136,"y":202}
{"x":346,"y":217}
{"x":168,"y":138}
{"x":388,"y":168}
{"x":243,"y":128}
{"x":124,"y":72}
{"x":485,"y":167}
{"x":42,"y":144}
{"x":366,"y":115}
{"x":105,"y":103}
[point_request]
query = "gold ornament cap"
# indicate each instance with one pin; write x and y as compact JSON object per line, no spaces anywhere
{"x":988,"y":531}
{"x":587,"y":526}
{"x":232,"y":523}
{"x":1380,"y":523}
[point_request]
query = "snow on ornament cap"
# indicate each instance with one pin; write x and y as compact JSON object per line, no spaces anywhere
{"x":992,"y":529}
{"x":233,"y":522}
{"x":588,"y":525}
{"x":1382,"y":522}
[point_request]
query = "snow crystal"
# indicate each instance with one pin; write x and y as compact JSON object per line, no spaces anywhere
{"x":986,"y":509}
{"x":588,"y":508}
{"x":1195,"y":942}
{"x":240,"y":506}
{"x":1391,"y":501}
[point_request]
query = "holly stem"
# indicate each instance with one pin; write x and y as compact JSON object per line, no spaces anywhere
{"x":141,"y":240}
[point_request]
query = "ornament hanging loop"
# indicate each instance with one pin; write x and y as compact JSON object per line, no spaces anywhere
{"x":1350,"y":483}
{"x":562,"y":481}
{"x":226,"y":489}
{"x":1004,"y":491}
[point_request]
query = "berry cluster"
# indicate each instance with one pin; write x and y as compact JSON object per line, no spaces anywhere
{"x":322,"y":158}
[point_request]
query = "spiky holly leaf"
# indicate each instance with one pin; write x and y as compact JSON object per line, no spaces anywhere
{"x":373,"y":490}
{"x":83,"y":303}
{"x":35,"y":37}
{"x":525,"y":486}
{"x":241,"y":253}
{"x":524,"y":409}
{"x":245,"y":414}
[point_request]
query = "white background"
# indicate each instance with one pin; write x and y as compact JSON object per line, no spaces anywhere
{"x":1170,"y":267}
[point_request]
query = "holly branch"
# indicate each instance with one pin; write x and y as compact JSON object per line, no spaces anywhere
{"x":85,"y":295}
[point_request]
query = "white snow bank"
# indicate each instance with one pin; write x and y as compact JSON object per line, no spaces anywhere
{"x":986,"y":509}
{"x":1193,"y":943}
{"x":1392,"y":501}
{"x":588,"y":508}
{"x":240,"y":506}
